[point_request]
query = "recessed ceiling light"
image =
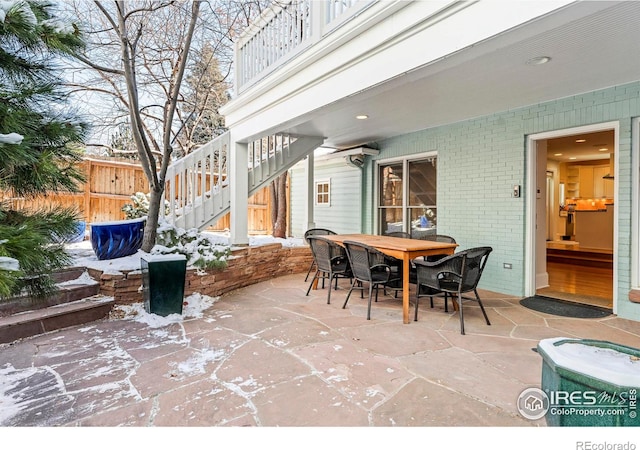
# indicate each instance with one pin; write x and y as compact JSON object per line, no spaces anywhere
{"x":557,"y":154}
{"x":538,"y":60}
{"x":603,"y":150}
{"x":362,"y":117}
{"x":581,"y":140}
{"x":573,"y":157}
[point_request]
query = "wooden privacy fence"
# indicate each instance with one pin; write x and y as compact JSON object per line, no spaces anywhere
{"x":110,"y":185}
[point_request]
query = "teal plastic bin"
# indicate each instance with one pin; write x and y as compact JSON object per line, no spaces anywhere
{"x":590,"y":382}
{"x":163,"y":280}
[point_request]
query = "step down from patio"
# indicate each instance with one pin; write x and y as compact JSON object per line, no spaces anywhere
{"x":76,"y":302}
{"x":32,"y":323}
{"x":591,"y":258}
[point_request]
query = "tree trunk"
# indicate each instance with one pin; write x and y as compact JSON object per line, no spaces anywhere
{"x":279,"y":185}
{"x":151,"y":226}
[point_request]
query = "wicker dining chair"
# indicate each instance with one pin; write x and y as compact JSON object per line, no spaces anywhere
{"x":428,"y":292}
{"x":400,"y":234}
{"x":367,"y":266}
{"x":315,"y":232}
{"x":437,"y":238}
{"x":454,"y":276}
{"x":331,"y":260}
{"x":396,"y":265}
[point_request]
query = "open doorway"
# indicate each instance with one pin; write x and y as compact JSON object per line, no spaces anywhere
{"x":576,"y":173}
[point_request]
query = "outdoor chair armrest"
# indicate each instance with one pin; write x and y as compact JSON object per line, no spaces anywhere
{"x":448,"y":277}
{"x":439,"y":262}
{"x":338,"y":260}
{"x":386,"y":268}
{"x":429,"y":273}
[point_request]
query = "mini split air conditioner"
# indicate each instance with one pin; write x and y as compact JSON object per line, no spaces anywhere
{"x":355,"y":157}
{"x":355,"y":160}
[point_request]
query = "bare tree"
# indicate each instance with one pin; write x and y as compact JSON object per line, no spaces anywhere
{"x":139,"y":53}
{"x":205,"y":91}
{"x":162,"y":24}
{"x":164,"y":63}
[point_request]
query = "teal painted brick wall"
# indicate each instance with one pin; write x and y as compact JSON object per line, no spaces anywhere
{"x":480,"y":160}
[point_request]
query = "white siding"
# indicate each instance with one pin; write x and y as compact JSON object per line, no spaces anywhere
{"x":344,"y":214}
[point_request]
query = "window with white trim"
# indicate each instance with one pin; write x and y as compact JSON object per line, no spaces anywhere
{"x":323,"y":193}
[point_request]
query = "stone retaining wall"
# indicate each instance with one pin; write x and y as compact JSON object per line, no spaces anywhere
{"x":247,"y":266}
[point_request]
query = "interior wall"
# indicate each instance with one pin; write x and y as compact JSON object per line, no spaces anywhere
{"x":559,"y":222}
{"x":542,"y":277}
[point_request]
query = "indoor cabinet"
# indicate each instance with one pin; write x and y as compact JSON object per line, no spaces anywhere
{"x":586,"y":182}
{"x":602,"y":187}
{"x":573,"y":177}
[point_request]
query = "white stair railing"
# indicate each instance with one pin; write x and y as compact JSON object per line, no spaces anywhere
{"x":197,"y":185}
{"x":274,"y":154}
{"x":266,"y":156}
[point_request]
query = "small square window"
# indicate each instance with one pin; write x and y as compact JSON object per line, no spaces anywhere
{"x":323,"y":196}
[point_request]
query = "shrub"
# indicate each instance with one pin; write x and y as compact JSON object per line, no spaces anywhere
{"x":139,"y":206}
{"x":201,"y":251}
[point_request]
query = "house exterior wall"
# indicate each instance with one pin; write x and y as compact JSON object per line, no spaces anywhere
{"x":480,"y":160}
{"x":343,"y":215}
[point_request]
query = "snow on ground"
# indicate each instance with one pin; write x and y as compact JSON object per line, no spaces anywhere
{"x":192,"y":308}
{"x":84,"y":279}
{"x":84,"y":255}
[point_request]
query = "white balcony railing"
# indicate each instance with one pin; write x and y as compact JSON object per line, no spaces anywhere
{"x":286,"y":29}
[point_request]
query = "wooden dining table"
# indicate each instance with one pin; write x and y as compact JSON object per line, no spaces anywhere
{"x":400,"y":248}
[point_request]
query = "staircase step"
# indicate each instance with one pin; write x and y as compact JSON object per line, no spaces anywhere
{"x":589,"y":258}
{"x":73,"y":284}
{"x":31,"y":323}
{"x":68,"y":274}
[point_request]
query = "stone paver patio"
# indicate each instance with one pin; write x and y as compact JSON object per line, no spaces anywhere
{"x":267,"y":355}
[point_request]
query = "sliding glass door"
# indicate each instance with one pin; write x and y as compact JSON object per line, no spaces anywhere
{"x":407,"y":196}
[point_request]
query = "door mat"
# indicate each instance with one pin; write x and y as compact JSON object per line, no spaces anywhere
{"x":564,"y":308}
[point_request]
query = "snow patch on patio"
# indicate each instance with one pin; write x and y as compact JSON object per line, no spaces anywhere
{"x":197,"y":363}
{"x":10,"y":381}
{"x":193,"y":308}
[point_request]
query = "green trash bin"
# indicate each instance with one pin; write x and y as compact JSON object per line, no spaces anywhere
{"x":163,"y":279}
{"x":590,"y":382}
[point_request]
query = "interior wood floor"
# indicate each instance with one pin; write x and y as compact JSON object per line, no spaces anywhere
{"x":582,"y":284}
